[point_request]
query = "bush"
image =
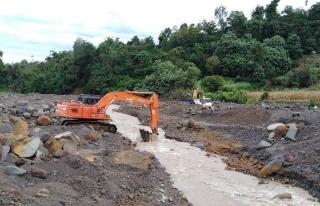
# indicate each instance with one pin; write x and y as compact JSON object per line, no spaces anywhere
{"x":282,"y":81}
{"x":179,"y":94}
{"x":235,"y":96}
{"x":264,"y":96}
{"x":212,"y":83}
{"x":230,"y":85}
{"x":313,"y":104}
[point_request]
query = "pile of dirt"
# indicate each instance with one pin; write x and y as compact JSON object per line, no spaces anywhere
{"x":243,"y":115}
{"x":58,"y":165}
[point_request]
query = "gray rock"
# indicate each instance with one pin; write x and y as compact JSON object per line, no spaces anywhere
{"x":12,"y":158}
{"x":70,"y":148}
{"x":42,"y":152}
{"x":26,"y":148}
{"x":69,"y":135}
{"x":271,"y":136}
{"x":22,"y":103}
{"x":292,"y":132}
{"x":37,"y":113}
{"x":20,"y":162}
{"x":45,"y":137}
{"x":39,"y":172}
{"x":5,"y":127}
{"x":43,"y":193}
{"x":263,"y":144}
{"x":26,"y":115}
{"x":73,"y":161}
{"x":272,"y":127}
{"x":198,"y":144}
{"x":13,"y":170}
{"x":4,"y":152}
{"x":296,"y":114}
{"x":283,"y":196}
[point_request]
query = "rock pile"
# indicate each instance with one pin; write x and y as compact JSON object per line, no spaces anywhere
{"x":19,"y":146}
{"x":280,"y":130}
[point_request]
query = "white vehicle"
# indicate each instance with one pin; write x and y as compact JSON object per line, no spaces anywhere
{"x":205,"y":102}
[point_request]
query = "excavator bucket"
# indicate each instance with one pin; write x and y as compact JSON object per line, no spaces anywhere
{"x":147,"y":136}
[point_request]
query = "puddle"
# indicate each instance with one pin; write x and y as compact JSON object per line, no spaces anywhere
{"x":202,"y":179}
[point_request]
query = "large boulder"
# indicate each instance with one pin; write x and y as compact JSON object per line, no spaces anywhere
{"x":272,"y":127}
{"x":12,"y":170}
{"x":39,"y":172}
{"x":92,"y":135}
{"x":141,"y":160}
{"x":5,"y":127}
{"x":270,"y":168}
{"x":44,"y":120}
{"x":4,"y":152}
{"x":53,"y":145}
{"x":281,"y":131}
{"x":292,"y":132}
{"x":70,"y":148}
{"x":27,"y":147}
{"x":193,"y":124}
{"x":68,"y":136}
{"x":20,"y":129}
{"x":263,"y":144}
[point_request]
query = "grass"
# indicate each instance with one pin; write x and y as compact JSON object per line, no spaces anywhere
{"x":295,"y":95}
{"x":310,"y":60}
{"x":2,"y":89}
{"x":231,"y":85}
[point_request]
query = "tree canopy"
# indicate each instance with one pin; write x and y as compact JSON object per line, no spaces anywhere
{"x":262,"y":48}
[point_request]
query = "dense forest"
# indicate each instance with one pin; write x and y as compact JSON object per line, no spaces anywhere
{"x":263,"y":50}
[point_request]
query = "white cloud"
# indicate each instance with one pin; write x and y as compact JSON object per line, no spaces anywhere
{"x":42,"y":25}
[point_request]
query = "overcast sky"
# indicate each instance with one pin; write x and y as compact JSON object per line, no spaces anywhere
{"x":31,"y":28}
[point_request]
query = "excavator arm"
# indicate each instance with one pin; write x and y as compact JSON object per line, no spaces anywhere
{"x":133,"y":96}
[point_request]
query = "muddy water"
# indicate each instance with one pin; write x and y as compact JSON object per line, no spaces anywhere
{"x":202,"y":179}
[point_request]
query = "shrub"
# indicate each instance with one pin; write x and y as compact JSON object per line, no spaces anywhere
{"x":179,"y":94}
{"x":235,"y":96}
{"x":312,"y":104}
{"x":212,"y":83}
{"x":264,"y":96}
{"x":303,"y":77}
{"x":282,"y":81}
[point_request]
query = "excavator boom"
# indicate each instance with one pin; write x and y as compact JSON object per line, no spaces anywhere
{"x":79,"y":111}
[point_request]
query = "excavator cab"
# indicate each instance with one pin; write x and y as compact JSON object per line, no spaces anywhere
{"x":89,"y":98}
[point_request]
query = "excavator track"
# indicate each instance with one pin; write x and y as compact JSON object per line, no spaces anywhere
{"x":97,"y":125}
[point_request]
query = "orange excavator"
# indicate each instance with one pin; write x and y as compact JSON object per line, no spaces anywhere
{"x":91,"y":109}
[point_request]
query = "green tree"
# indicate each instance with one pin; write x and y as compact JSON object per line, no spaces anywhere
{"x":212,"y":64}
{"x":221,"y":15}
{"x":168,"y":77}
{"x":83,"y":56}
{"x":3,"y":74}
{"x":212,"y":83}
{"x":293,"y":45}
{"x":271,"y":10}
{"x":238,"y":22}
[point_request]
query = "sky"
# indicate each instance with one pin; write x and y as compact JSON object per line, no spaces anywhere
{"x":30,"y":29}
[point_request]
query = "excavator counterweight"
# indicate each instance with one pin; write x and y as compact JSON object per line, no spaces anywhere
{"x":93,"y":110}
